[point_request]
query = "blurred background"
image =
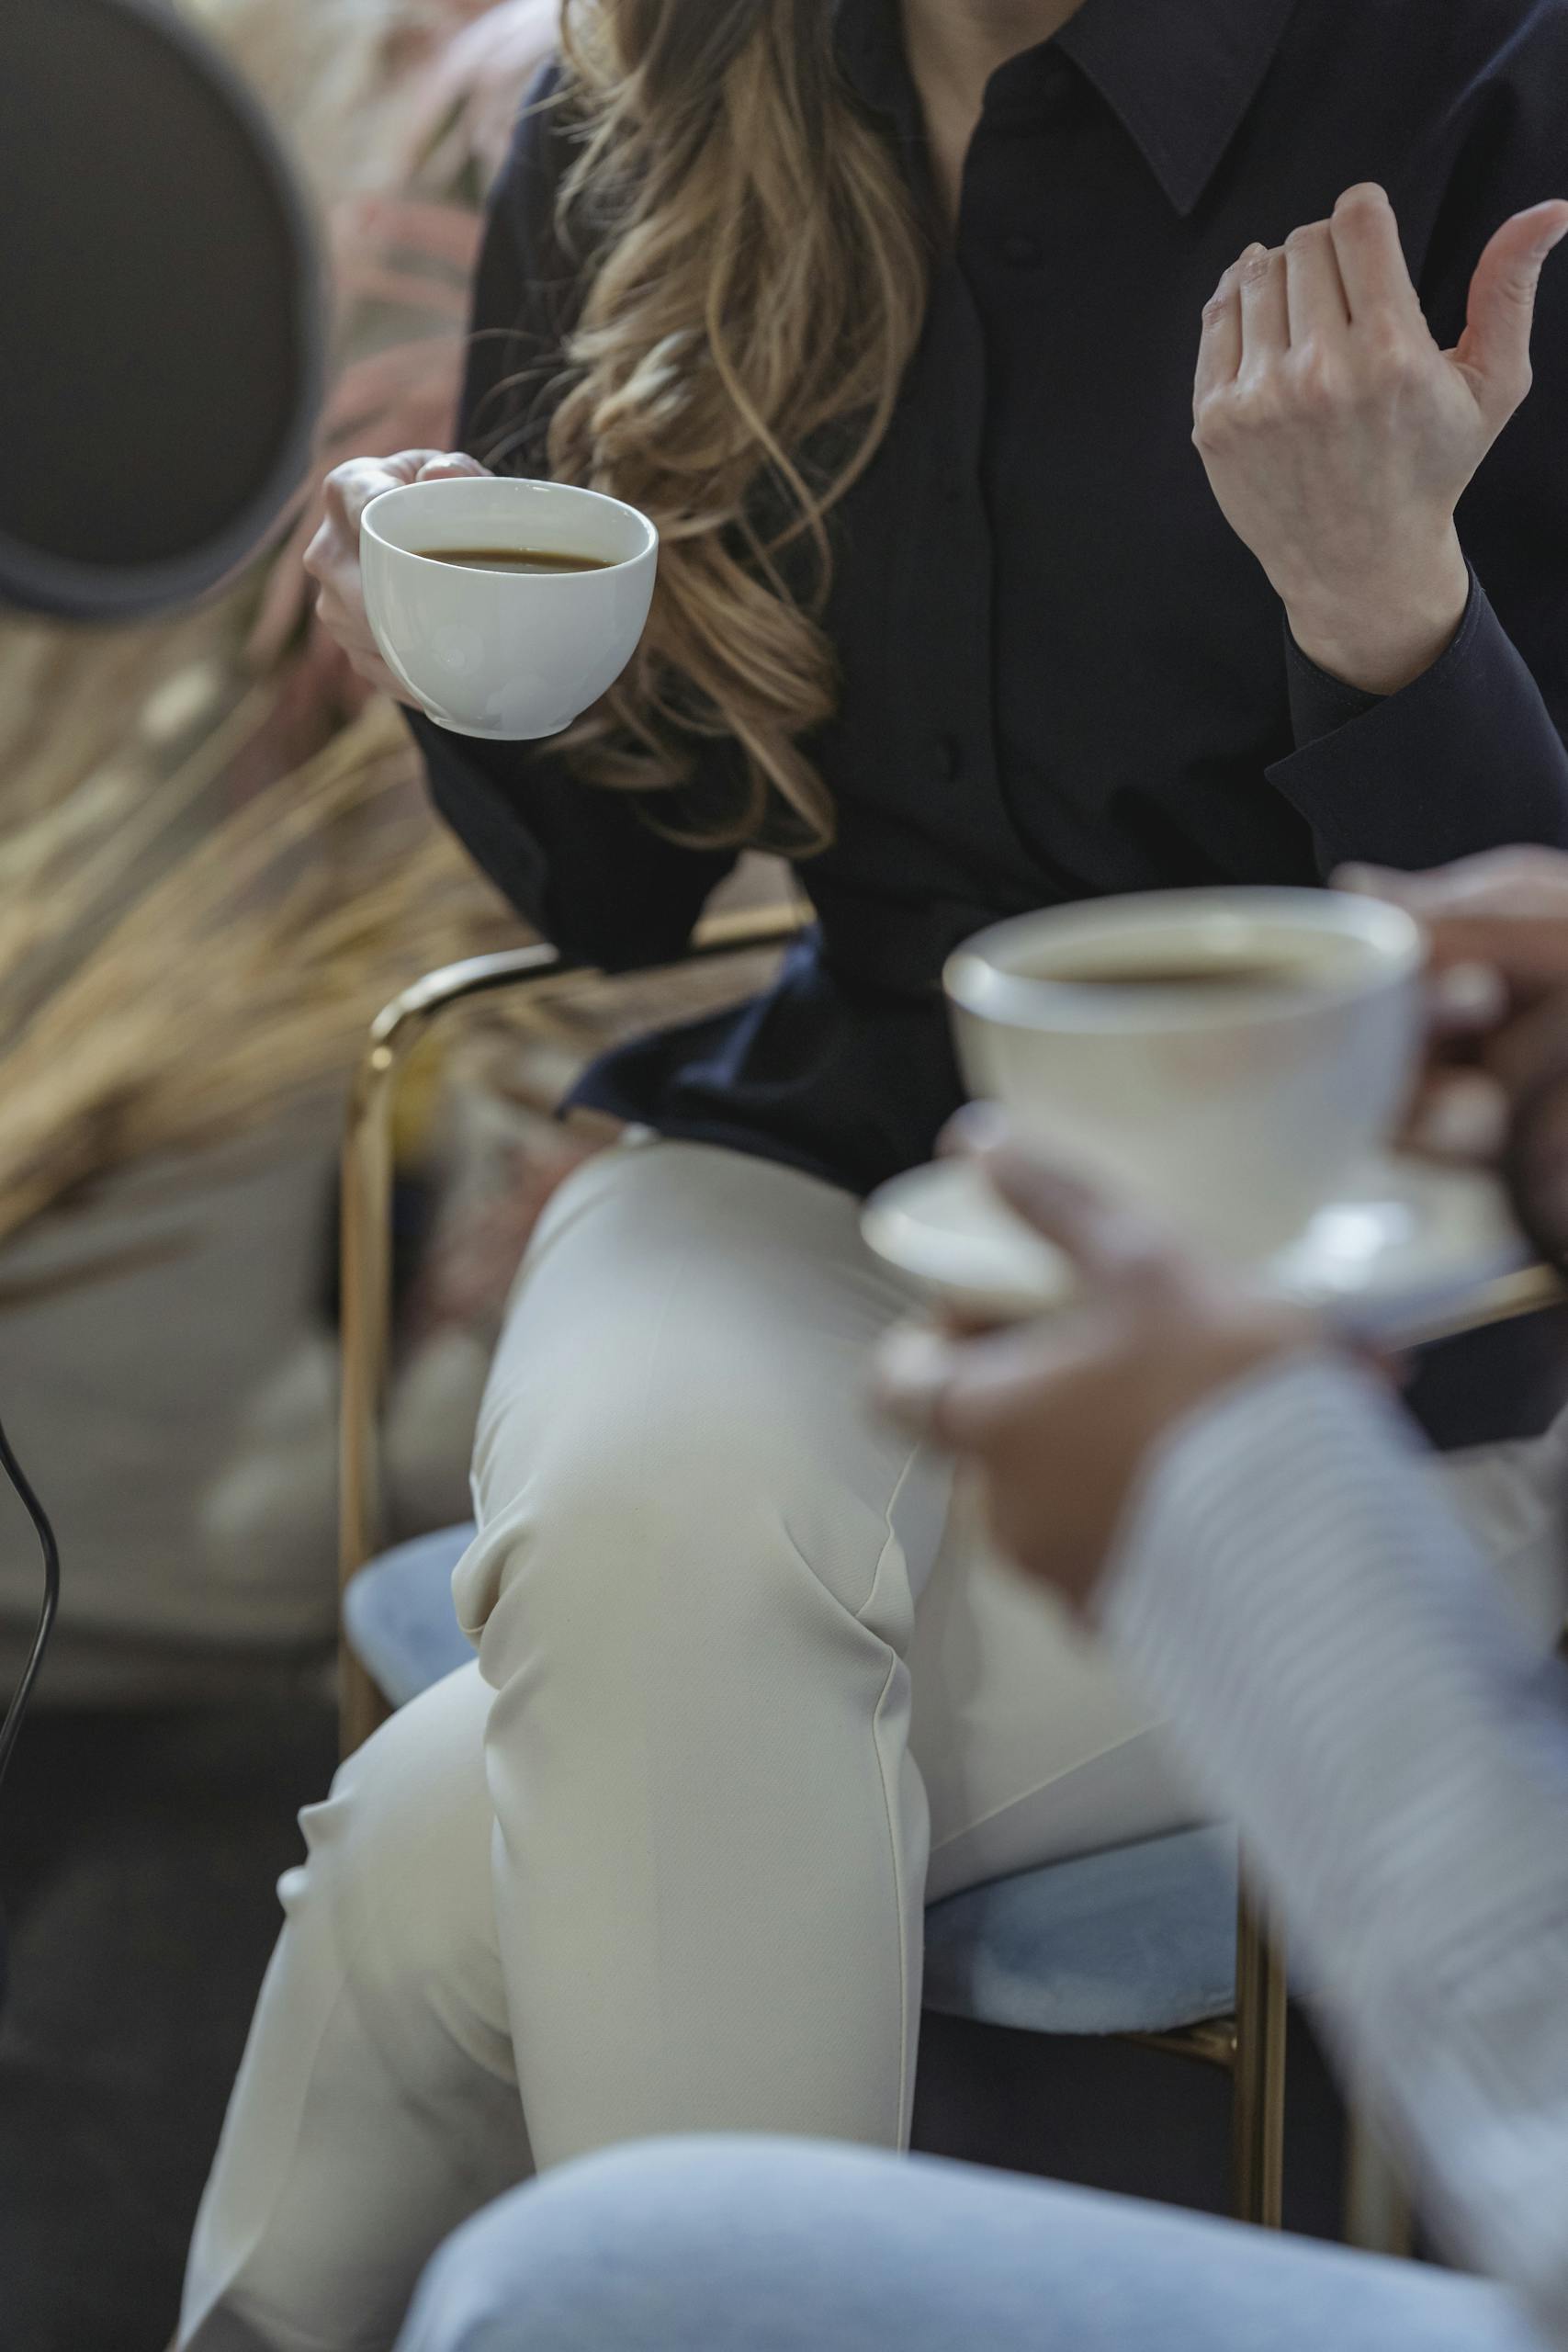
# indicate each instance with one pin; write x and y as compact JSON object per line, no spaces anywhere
{"x":216,"y":863}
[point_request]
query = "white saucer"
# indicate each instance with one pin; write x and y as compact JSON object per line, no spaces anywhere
{"x":1410,"y":1238}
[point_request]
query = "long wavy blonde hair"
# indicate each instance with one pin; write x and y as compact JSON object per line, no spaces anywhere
{"x":755,"y":281}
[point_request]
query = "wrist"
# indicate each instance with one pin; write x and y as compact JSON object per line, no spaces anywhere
{"x":1382,"y":635}
{"x":1244,"y":1337}
{"x":1190,"y":1374}
{"x":1295,"y":1339}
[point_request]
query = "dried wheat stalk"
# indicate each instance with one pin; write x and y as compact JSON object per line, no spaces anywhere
{"x":245,"y":976}
{"x":200,"y":909}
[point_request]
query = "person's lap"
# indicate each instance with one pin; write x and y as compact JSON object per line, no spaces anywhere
{"x":786,"y":2246}
{"x":1007,"y":1697}
{"x":739,"y":1308}
{"x":711,"y":1584}
{"x":671,"y":1848}
{"x":657,"y":1864}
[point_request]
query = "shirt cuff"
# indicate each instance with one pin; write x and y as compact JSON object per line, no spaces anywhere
{"x":1320,"y":703}
{"x":1297,"y":1594}
{"x":1464,"y":759}
{"x":1349,"y":1686}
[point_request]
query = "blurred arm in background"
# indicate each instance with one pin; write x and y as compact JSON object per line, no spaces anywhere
{"x":1256,"y":1531}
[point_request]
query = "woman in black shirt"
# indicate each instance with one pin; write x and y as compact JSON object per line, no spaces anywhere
{"x":888,"y":315}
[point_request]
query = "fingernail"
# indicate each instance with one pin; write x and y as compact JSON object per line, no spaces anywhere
{"x":1470,"y":993}
{"x":979,"y":1128}
{"x":1549,"y":244}
{"x":1465,"y":1118}
{"x":1376,"y":882}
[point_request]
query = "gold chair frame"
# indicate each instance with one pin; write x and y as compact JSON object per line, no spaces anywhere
{"x":1249,"y":2045}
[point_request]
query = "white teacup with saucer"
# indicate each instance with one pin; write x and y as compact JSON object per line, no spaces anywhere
{"x":1235,"y":1061}
{"x":1401,"y":1243}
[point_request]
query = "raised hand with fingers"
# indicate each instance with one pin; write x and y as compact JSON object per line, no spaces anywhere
{"x":1338,"y":438}
{"x":1497,"y":1087}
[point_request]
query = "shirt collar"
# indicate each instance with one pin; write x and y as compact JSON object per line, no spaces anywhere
{"x":868,"y":35}
{"x":1179,"y":75}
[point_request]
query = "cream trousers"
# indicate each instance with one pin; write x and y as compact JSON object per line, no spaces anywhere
{"x":748,"y":1693}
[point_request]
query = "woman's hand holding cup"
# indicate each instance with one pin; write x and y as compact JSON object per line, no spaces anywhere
{"x":332,"y":559}
{"x":1495,"y":1091}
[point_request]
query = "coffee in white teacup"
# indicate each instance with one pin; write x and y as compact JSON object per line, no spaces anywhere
{"x":506,"y":608}
{"x":1229,"y":1058}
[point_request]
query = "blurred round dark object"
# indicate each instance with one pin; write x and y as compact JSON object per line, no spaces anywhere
{"x":160,"y":307}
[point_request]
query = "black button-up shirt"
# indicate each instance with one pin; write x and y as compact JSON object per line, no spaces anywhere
{"x":1062,"y":675}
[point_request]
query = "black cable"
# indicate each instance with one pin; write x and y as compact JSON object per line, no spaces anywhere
{"x":12,"y":1726}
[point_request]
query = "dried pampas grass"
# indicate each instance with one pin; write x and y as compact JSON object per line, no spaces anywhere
{"x":242,"y":976}
{"x":215,"y":864}
{"x":344,"y":76}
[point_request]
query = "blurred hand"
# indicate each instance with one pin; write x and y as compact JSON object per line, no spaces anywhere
{"x":1497,"y":1088}
{"x":1059,"y":1415}
{"x":332,"y":557}
{"x":1338,"y":438}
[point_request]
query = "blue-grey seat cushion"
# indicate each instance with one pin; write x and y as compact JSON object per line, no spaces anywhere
{"x":398,"y":1617}
{"x":1140,"y":1939}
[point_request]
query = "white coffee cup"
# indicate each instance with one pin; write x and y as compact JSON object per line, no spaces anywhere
{"x":1235,"y":1110}
{"x":506,"y":655}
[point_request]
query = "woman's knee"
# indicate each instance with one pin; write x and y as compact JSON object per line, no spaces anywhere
{"x":396,"y":1883}
{"x":679,"y":1405}
{"x":691,"y":1492}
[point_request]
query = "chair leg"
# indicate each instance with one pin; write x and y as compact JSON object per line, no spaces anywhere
{"x":1378,"y":2215}
{"x":366,"y":1283}
{"x":1258,"y":2110}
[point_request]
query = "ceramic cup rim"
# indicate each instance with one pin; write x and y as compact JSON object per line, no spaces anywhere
{"x":980,"y":982}
{"x":572,"y":490}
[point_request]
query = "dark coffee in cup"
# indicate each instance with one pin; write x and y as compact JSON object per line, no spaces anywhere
{"x":532,"y":560}
{"x":1229,"y":975}
{"x":1226,"y":1057}
{"x":506,"y":608}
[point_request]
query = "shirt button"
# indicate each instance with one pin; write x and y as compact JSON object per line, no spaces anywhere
{"x":1022,"y":250}
{"x":949,"y":759}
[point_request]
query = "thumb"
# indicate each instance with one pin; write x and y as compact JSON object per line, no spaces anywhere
{"x":1495,"y":350}
{"x":1112,"y":1246}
